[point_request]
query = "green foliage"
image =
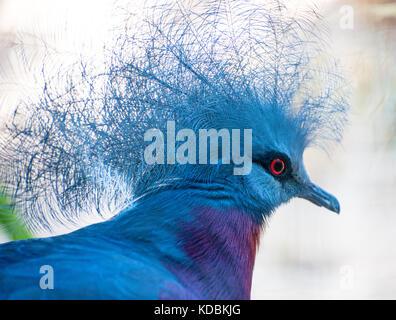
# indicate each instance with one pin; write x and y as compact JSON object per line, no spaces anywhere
{"x":10,"y":223}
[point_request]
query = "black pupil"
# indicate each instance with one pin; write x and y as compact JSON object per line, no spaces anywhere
{"x":278,"y":166}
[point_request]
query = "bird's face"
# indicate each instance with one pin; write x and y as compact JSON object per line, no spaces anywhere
{"x":278,"y":176}
{"x":278,"y":173}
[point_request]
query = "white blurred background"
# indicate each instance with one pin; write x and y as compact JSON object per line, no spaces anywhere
{"x":306,"y":252}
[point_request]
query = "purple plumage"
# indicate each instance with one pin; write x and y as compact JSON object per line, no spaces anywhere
{"x":221,"y":246}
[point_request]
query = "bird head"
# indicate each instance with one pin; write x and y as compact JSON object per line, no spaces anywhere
{"x":278,"y":173}
{"x":274,"y":169}
{"x":273,"y":77}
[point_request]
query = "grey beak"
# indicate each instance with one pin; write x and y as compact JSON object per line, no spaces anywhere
{"x":320,"y":197}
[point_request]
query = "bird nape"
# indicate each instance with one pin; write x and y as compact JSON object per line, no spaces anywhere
{"x":185,"y":227}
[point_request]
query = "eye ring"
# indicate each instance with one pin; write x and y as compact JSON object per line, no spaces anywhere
{"x":277,"y":166}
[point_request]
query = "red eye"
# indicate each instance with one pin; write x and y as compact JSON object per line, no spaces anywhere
{"x":277,"y":166}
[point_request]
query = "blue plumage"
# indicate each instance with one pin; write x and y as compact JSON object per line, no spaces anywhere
{"x":180,"y":231}
{"x":127,"y":257}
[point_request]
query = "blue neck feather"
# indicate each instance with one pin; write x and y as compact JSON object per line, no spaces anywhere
{"x":207,"y":243}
